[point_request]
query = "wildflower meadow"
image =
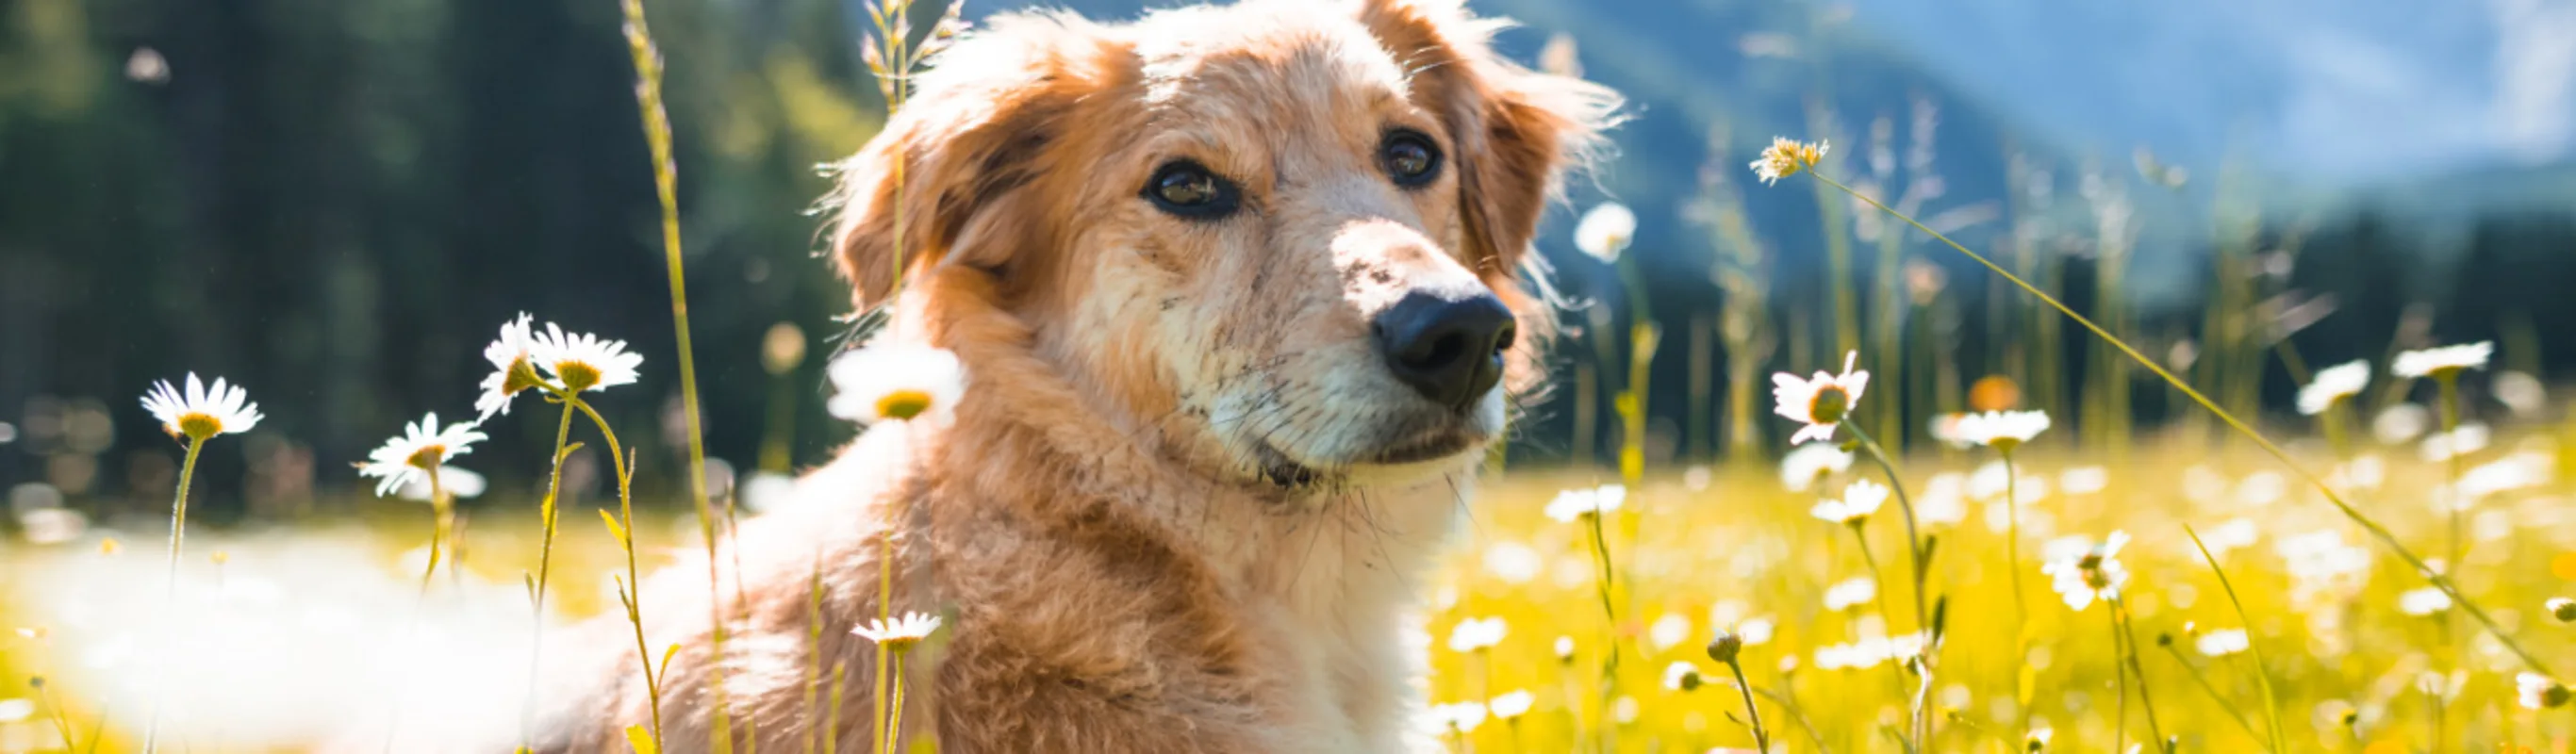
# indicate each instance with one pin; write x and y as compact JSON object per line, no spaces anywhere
{"x":1870,"y":540}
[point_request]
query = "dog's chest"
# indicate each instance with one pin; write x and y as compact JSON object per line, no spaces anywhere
{"x":1340,"y":608}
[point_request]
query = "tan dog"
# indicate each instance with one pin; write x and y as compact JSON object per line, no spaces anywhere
{"x":1235,"y":289}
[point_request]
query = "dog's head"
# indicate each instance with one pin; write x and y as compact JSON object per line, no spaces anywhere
{"x":1281,"y":238}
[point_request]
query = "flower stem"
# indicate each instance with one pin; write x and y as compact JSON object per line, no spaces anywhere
{"x":2271,"y":705}
{"x":1752,"y":712}
{"x":2378,"y":532}
{"x":170,"y":588}
{"x":2021,"y":605}
{"x":2129,"y":653}
{"x":1922,"y":583}
{"x":441,"y":517}
{"x":545,"y":563}
{"x":635,"y":598}
{"x":885,"y":613}
{"x":894,"y":710}
{"x":2223,"y":704}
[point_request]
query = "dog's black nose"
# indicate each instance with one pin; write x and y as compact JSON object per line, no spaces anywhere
{"x":1448,"y":346}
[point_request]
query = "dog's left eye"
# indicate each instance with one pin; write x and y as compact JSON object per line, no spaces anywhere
{"x":1409,"y":158}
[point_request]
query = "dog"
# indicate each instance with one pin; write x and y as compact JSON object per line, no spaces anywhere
{"x":1238,"y":292}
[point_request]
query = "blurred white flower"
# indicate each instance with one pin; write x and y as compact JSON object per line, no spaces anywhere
{"x":461,"y":483}
{"x":1461,"y":717}
{"x":14,"y":710}
{"x":1577,"y":503}
{"x":2223,"y":642}
{"x":52,"y":526}
{"x":1606,"y":231}
{"x":1513,"y":563}
{"x":896,"y":382}
{"x":1820,"y":402}
{"x":2262,"y":488}
{"x":1696,"y":478}
{"x":1785,"y":158}
{"x":1511,"y":705}
{"x":513,"y":367}
{"x":1811,"y":463}
{"x":2084,"y":480}
{"x":2468,"y":438}
{"x":2001,"y":430}
{"x":1564,"y":648}
{"x":2400,"y":423}
{"x":1682,"y":676}
{"x":1860,"y":499}
{"x":423,"y":445}
{"x":201,"y":413}
{"x":1669,"y":630}
{"x":2442,"y":361}
{"x":1755,"y":631}
{"x":2423,"y":602}
{"x":1943,"y":501}
{"x":2323,"y":568}
{"x":901,"y":633}
{"x":2521,"y":470}
{"x":581,"y":361}
{"x":1477,"y":634}
{"x":2085,"y":571}
{"x":2333,"y":384}
{"x":1624,"y":710}
{"x":2520,"y":392}
{"x":2536,"y":691}
{"x":1851,"y":592}
{"x":1991,"y":481}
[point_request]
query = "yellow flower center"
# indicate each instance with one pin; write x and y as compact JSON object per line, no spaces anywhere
{"x":2004,"y":444}
{"x":577,"y":376}
{"x":199,"y":426}
{"x":2556,"y":696}
{"x":521,"y":376}
{"x":902,"y":405}
{"x":1829,"y":405}
{"x":427,"y":457}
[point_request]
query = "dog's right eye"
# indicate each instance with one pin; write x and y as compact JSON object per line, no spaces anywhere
{"x":1187,"y":189}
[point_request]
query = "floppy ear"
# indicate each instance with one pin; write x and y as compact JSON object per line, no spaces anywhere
{"x":936,"y":186}
{"x":1517,"y":130}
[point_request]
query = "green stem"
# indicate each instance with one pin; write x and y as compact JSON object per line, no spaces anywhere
{"x":2271,"y":705}
{"x":2378,"y":532}
{"x":170,"y":588}
{"x":62,"y":720}
{"x":545,"y":565}
{"x":1879,"y":583}
{"x":894,"y":711}
{"x":2223,"y":704}
{"x":1761,"y":735}
{"x":635,"y":598}
{"x":2021,"y":605}
{"x":2146,"y":699}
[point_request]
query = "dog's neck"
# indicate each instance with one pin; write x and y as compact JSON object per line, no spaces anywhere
{"x":1356,"y":547}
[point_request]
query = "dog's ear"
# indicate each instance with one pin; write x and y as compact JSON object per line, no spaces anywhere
{"x":936,"y":186}
{"x":1517,"y":130}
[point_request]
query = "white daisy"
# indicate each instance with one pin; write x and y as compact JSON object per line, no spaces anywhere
{"x":1859,"y":500}
{"x":2562,"y":608}
{"x":581,"y":361}
{"x":2443,"y":361}
{"x":200,"y":413}
{"x":2001,"y":430}
{"x":1512,"y":705}
{"x":1477,"y":634}
{"x":2333,"y":384}
{"x":1682,"y":676}
{"x":459,"y":483}
{"x":1605,"y":231}
{"x":2539,"y":691}
{"x":513,"y":367}
{"x":2441,"y":446}
{"x":1574,"y":504}
{"x":2085,"y":571}
{"x":422,"y":446}
{"x":1564,"y":649}
{"x":1850,"y":593}
{"x":1811,"y":463}
{"x":1460,"y":718}
{"x":2224,"y":643}
{"x":1820,"y":402}
{"x":1785,"y":158}
{"x":901,"y":633}
{"x":2422,"y":602}
{"x":896,"y":382}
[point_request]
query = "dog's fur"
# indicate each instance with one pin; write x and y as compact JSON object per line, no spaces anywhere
{"x":1154,"y":521}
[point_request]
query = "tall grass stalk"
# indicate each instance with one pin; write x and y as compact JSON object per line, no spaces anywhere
{"x":2128,"y":642}
{"x":62,"y":719}
{"x":2206,"y":687}
{"x":657,"y":137}
{"x":1919,"y":556}
{"x":2021,"y":604}
{"x":170,"y":590}
{"x":2378,"y":532}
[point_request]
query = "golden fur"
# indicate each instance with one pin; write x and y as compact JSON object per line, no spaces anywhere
{"x":1101,"y":520}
